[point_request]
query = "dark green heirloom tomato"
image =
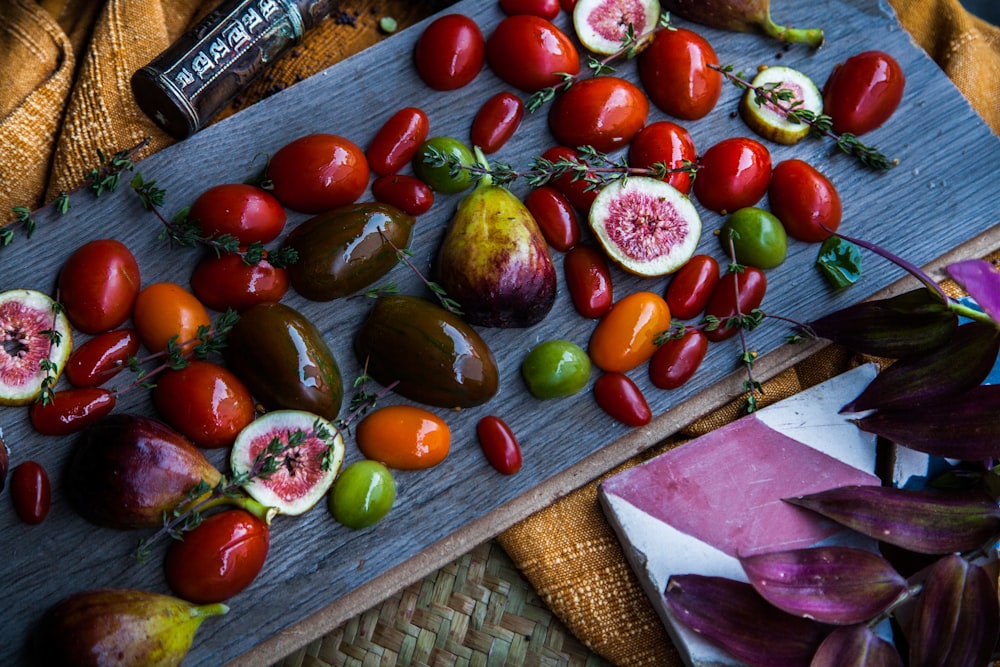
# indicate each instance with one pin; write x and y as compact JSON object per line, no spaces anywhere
{"x":284,"y":361}
{"x":432,"y":355}
{"x":556,"y":368}
{"x":346,"y":249}
{"x":362,"y":495}
{"x":758,"y":237}
{"x":439,"y":175}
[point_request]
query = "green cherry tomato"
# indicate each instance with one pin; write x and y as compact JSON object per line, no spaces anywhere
{"x":556,"y":368}
{"x":758,"y":237}
{"x":440,"y":176}
{"x":362,"y":495}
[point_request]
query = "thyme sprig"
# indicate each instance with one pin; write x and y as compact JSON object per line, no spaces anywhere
{"x":404,"y":255}
{"x":820,"y":124}
{"x":51,"y":369}
{"x":185,"y":232}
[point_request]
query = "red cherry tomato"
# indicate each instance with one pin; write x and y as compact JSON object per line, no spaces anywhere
{"x":547,"y":9}
{"x":744,"y":289}
{"x":575,"y":190}
{"x":692,"y":286}
{"x":31,"y":492}
{"x":674,"y":71}
{"x":246,"y":212}
{"x":101,"y":358}
{"x":226,"y":281}
{"x":205,"y":402}
{"x":71,"y":410}
{"x":734,"y":174}
{"x":98,"y":285}
{"x":555,"y":216}
{"x":568,"y":5}
{"x":219,"y":558}
{"x":863,"y":92}
{"x":588,"y":280}
{"x":804,"y":200}
{"x":407,"y":193}
{"x":499,"y":444}
{"x":496,"y":121}
{"x":622,"y":399}
{"x":450,"y":52}
{"x":677,"y":359}
{"x":165,"y":311}
{"x":667,"y":143}
{"x":318,"y":172}
{"x":397,"y":141}
{"x":605,"y":112}
{"x":529,"y":52}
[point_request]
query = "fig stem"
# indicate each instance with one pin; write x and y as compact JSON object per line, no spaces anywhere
{"x":812,"y":37}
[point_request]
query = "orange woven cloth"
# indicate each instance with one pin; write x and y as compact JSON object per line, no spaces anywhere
{"x":64,"y":94}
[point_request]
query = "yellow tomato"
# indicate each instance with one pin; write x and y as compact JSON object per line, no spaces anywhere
{"x":625,"y":336}
{"x":404,"y":437}
{"x":165,"y":310}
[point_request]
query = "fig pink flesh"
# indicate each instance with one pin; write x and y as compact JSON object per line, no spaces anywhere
{"x":298,"y":472}
{"x":610,"y":18}
{"x":645,"y":227}
{"x":20,"y":350}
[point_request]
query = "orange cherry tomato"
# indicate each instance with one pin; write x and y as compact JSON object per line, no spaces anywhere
{"x":404,"y":437}
{"x":166,"y":310}
{"x":625,"y":337}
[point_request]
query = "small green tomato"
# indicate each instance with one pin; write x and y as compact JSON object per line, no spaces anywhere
{"x":440,"y":177}
{"x":556,"y":368}
{"x":759,"y":239}
{"x":362,"y":495}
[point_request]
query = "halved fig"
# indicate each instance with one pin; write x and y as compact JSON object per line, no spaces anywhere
{"x":33,"y":330}
{"x":602,"y":25}
{"x":645,"y":225}
{"x":772,"y":122}
{"x":290,"y":457}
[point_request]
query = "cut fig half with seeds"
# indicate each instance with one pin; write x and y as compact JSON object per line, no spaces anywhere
{"x":602,"y":26}
{"x":646,"y":226}
{"x":35,"y":341}
{"x":771,"y":121}
{"x":291,"y":458}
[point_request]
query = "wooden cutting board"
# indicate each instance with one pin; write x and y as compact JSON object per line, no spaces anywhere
{"x":942,"y":198}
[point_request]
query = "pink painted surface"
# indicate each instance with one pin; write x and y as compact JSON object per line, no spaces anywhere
{"x":725,"y":488}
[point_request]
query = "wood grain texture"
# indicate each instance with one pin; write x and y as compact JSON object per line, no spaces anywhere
{"x":318,"y":573}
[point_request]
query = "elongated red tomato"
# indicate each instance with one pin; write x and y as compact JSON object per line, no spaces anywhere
{"x":407,"y":193}
{"x":205,"y":402}
{"x":31,"y":492}
{"x":577,"y":190}
{"x":318,"y":172}
{"x":667,"y":143}
{"x":588,"y":280}
{"x":734,"y":174}
{"x":71,"y":410}
{"x":98,"y":285}
{"x":677,"y":359}
{"x":449,"y":53}
{"x":737,"y":293}
{"x":397,"y":141}
{"x":219,"y":558}
{"x":496,"y":121}
{"x":529,"y":52}
{"x":246,"y":212}
{"x":555,"y":216}
{"x":605,"y":112}
{"x":101,"y":358}
{"x":226,"y":281}
{"x":863,"y":92}
{"x":499,"y":444}
{"x":622,"y":399}
{"x":675,"y":73}
{"x":692,"y":286}
{"x":804,"y":200}
{"x":547,"y":9}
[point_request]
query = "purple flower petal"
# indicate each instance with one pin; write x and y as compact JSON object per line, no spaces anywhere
{"x":982,"y":281}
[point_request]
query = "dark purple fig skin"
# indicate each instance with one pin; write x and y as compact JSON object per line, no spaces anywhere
{"x":127,"y":470}
{"x":741,"y":16}
{"x":855,"y":646}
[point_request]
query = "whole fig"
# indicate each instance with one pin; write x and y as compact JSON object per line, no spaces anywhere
{"x":495,"y":262}
{"x":741,"y":16}
{"x":127,"y":470}
{"x":120,"y":627}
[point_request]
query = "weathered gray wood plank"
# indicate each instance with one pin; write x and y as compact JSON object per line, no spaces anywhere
{"x":942,"y":194}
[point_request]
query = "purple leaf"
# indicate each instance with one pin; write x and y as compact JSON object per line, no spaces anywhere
{"x":929,"y":522}
{"x":856,"y":646}
{"x":982,"y":281}
{"x":965,"y":426}
{"x":731,"y":615}
{"x":837,"y":585}
{"x":957,"y":617}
